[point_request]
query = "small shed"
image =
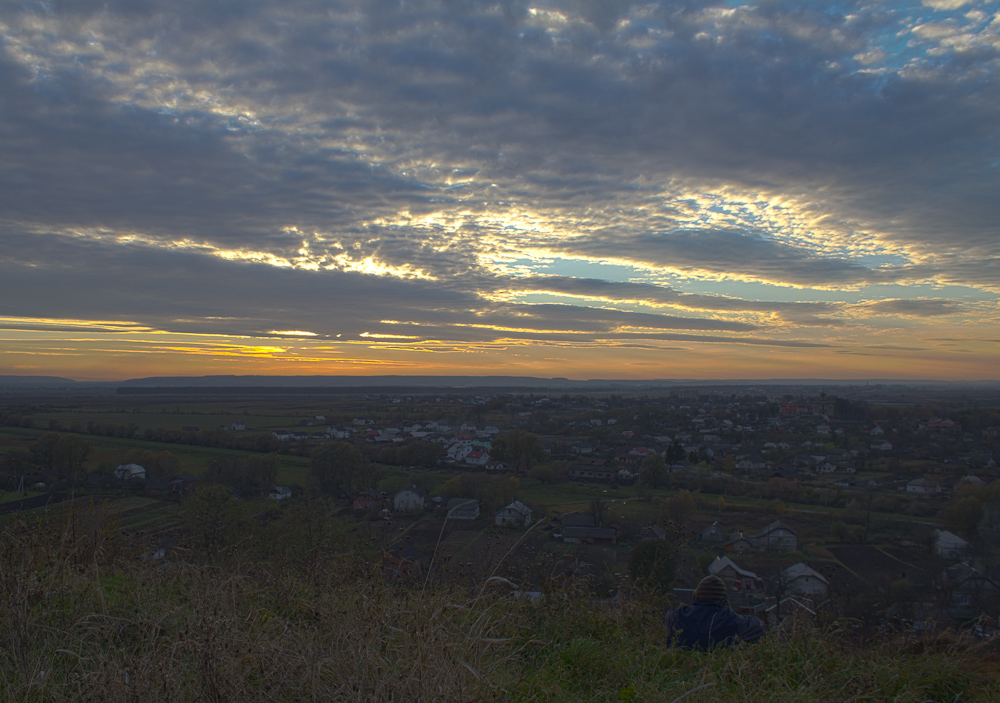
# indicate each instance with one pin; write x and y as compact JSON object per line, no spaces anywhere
{"x":517,"y":514}
{"x":462,"y":509}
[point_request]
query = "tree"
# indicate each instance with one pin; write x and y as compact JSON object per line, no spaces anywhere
{"x":966,"y":511}
{"x":518,"y":449}
{"x":338,"y":464}
{"x":598,"y":507}
{"x":466,"y":485}
{"x":680,"y":506}
{"x":653,"y":564}
{"x":675,"y":452}
{"x":264,"y":467}
{"x":550,"y":471}
{"x":210,"y":516}
{"x":500,"y":491}
{"x":778,"y":584}
{"x":425,"y":454}
{"x":653,"y":471}
{"x":143,"y":457}
{"x":492,"y":491}
{"x":904,"y":595}
{"x":166,"y":464}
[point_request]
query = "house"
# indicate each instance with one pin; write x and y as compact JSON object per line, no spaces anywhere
{"x":411,"y":499}
{"x":737,"y":542}
{"x":589,"y":535}
{"x":280,"y":493}
{"x":239,"y":425}
{"x":943,"y":425}
{"x":776,"y":536}
{"x":794,"y":409}
{"x":129,"y":472}
{"x":457,"y":451}
{"x":713,"y":533}
{"x":968,"y":592}
{"x":751,"y":465}
{"x":948,"y":545}
{"x":787,"y":475}
{"x":517,"y":514}
{"x":462,"y":509}
{"x":805,"y":581}
{"x":477,"y":458}
{"x":577,"y":519}
{"x":186,"y":481}
{"x":588,"y":472}
{"x":738,"y":580}
{"x":824,"y":467}
{"x":922,"y":486}
{"x":791,"y":608}
{"x":368,"y":500}
{"x":495,"y":466}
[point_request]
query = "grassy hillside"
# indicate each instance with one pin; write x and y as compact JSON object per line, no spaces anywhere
{"x":298,"y":611}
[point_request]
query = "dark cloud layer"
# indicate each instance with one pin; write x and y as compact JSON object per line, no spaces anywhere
{"x":180,"y":163}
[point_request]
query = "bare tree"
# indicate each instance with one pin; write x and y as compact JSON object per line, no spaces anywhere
{"x":778,"y":585}
{"x":598,"y":507}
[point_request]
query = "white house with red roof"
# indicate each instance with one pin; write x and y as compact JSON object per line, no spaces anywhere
{"x":477,"y":457}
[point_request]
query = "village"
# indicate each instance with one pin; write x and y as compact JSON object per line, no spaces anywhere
{"x":806,"y":505}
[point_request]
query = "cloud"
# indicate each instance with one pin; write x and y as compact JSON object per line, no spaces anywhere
{"x":199,"y":166}
{"x":178,"y":291}
{"x":911,"y":308}
{"x":656,"y":294}
{"x":946,"y":4}
{"x":735,"y":255}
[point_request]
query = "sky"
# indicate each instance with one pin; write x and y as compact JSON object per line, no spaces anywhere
{"x":589,"y":189}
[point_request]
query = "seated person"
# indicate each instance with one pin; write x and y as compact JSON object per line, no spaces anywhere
{"x":709,"y":620}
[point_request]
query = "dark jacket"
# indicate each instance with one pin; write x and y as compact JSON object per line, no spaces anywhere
{"x":704,"y":624}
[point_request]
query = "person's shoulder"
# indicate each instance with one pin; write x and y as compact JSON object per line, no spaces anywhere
{"x":681,"y":611}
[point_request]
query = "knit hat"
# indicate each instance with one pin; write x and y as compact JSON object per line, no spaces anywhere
{"x":713,"y":589}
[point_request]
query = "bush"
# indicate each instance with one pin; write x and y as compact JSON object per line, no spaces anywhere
{"x":653,"y":565}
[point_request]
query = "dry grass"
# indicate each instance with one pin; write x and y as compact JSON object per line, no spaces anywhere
{"x":85,"y":619}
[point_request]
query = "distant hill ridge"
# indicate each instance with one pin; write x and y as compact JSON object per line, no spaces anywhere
{"x":348,"y":381}
{"x":494,"y":381}
{"x":36,"y":381}
{"x":399,"y":383}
